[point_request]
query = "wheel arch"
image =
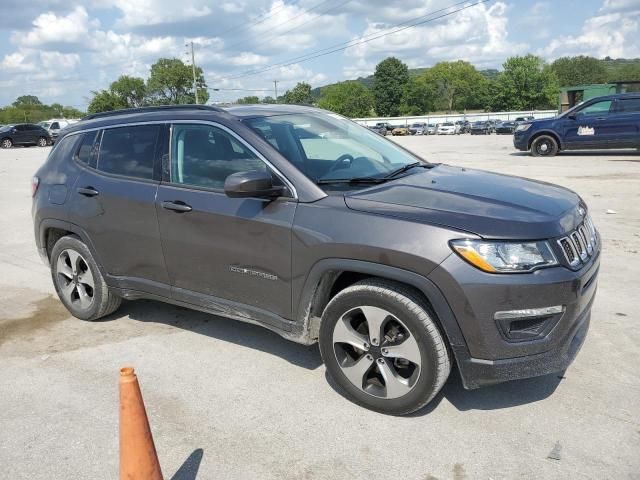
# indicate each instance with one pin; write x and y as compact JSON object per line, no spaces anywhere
{"x":329,"y":276}
{"x":549,"y":133}
{"x":51,"y":230}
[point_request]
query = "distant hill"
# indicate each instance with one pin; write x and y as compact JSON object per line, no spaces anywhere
{"x":413,"y":72}
{"x":619,"y":69}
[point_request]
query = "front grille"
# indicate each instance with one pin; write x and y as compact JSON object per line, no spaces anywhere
{"x":580,"y":245}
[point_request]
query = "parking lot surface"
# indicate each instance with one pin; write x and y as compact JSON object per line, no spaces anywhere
{"x":235,"y":401}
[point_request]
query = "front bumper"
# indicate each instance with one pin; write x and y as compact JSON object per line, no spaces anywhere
{"x":521,"y":140}
{"x":487,"y":355}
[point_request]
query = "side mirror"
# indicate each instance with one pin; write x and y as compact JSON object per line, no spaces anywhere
{"x":253,"y":183}
{"x":573,"y":116}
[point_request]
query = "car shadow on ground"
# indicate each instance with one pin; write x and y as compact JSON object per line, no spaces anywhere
{"x":494,"y":397}
{"x":586,"y":153}
{"x":240,"y":333}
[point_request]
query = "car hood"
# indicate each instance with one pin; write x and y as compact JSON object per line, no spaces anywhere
{"x":486,"y":204}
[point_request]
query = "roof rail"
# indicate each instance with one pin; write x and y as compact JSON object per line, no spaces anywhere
{"x":158,"y":108}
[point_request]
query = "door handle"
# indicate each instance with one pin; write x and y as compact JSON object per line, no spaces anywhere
{"x":177,"y":206}
{"x":88,"y":191}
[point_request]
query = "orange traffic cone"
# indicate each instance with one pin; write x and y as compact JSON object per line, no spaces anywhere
{"x":138,"y":458}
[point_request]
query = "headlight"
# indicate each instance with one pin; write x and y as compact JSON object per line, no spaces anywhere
{"x":523,"y":127}
{"x":500,"y":257}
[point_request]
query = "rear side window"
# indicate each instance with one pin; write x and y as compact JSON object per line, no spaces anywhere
{"x":83,"y":154}
{"x":629,"y":105}
{"x":129,"y":151}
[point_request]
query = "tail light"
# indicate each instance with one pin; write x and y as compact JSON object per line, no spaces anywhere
{"x":35,"y":181}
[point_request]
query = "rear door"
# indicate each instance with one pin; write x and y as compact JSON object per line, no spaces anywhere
{"x":593,"y":127}
{"x":627,"y":119}
{"x":237,"y":249}
{"x":21,"y":134}
{"x":114,"y":201}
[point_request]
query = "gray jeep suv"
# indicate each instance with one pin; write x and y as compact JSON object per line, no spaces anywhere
{"x":304,"y":222}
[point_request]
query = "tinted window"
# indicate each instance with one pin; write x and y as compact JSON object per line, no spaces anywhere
{"x":129,"y":151}
{"x":629,"y":105}
{"x":20,"y":128}
{"x":204,"y":156}
{"x":55,"y":125}
{"x":598,"y":108}
{"x":66,"y":147}
{"x":83,"y":154}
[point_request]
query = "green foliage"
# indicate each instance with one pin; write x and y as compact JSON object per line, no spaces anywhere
{"x":350,"y":98}
{"x":458,"y":85}
{"x":105,"y":101}
{"x":130,"y":90}
{"x":249,"y":100}
{"x":171,"y":83}
{"x":29,"y":109}
{"x":525,"y":83}
{"x":390,"y":80}
{"x":580,"y":70}
{"x":268,"y":100}
{"x":419,"y":97}
{"x":301,"y":93}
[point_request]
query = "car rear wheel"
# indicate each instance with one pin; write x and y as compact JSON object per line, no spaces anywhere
{"x":382,"y":347}
{"x":42,"y":142}
{"x":78,"y":281}
{"x":6,"y":143}
{"x":544,"y":146}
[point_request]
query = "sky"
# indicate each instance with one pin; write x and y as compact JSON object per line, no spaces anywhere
{"x":62,"y":50}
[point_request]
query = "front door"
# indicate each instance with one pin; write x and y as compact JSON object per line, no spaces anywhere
{"x":233,"y":249}
{"x":592,"y":127}
{"x":113,"y":199}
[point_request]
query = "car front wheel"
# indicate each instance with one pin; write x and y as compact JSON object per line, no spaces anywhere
{"x":544,"y":146}
{"x":42,"y":142}
{"x":6,"y":143}
{"x":382,"y":347}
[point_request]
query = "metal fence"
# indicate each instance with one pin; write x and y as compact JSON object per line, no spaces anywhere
{"x":472,"y":117}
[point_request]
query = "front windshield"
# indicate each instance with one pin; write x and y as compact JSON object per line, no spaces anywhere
{"x":45,"y":125}
{"x":447,"y":125}
{"x":326,"y":146}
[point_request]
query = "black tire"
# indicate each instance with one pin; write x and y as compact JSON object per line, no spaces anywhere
{"x":43,"y":142}
{"x":103,"y":301}
{"x":6,"y":143}
{"x":544,"y":146}
{"x":404,"y":304}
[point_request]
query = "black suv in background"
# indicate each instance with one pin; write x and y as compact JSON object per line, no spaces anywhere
{"x":26,"y":134}
{"x":306,"y":223}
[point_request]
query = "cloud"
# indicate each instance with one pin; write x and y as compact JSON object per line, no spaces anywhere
{"x":612,"y":6}
{"x":609,"y":34}
{"x":51,"y":29}
{"x":478,"y":34}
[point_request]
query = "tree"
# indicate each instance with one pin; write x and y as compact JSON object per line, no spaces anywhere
{"x":249,"y":100}
{"x":350,"y":98}
{"x":301,"y":93}
{"x":525,"y":83}
{"x":389,"y":82}
{"x":579,"y":70}
{"x":268,"y":99}
{"x":419,"y":96}
{"x":458,"y":85}
{"x":26,"y":100}
{"x":130,"y":90}
{"x":171,"y":82}
{"x":105,"y":101}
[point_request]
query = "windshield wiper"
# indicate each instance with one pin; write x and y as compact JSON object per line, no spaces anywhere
{"x":406,"y":168}
{"x":374,"y":180}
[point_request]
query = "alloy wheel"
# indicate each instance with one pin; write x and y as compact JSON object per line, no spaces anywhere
{"x":42,"y":142}
{"x":377,"y":352}
{"x":75,"y":280}
{"x":6,"y":143}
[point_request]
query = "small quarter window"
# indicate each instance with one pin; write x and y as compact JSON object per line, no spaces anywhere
{"x":83,"y":154}
{"x":629,"y":105}
{"x":129,"y":151}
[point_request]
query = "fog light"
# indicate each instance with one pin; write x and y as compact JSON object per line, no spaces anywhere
{"x":529,"y":312}
{"x":528,"y":324}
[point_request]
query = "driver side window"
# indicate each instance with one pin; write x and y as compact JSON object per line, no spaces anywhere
{"x":204,"y":156}
{"x":598,"y":108}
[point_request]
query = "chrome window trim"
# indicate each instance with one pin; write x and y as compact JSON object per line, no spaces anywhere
{"x":169,"y":122}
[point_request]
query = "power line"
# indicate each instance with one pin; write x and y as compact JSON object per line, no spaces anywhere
{"x":239,"y":89}
{"x":263,"y":39}
{"x":360,"y":40}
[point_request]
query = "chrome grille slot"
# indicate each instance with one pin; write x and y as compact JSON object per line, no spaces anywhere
{"x":579,"y":245}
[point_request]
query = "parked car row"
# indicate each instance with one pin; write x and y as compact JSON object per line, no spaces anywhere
{"x":25,"y":134}
{"x":483,"y":127}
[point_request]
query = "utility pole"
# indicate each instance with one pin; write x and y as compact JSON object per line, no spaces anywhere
{"x":193,"y":69}
{"x":275,"y":88}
